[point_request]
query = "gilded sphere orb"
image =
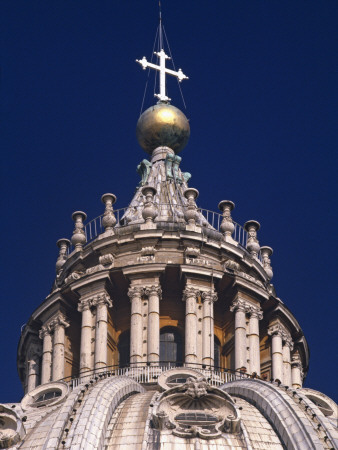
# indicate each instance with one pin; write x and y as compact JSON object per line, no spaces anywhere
{"x":162,"y":125}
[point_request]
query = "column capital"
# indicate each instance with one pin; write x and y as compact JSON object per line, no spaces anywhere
{"x":58,"y":321}
{"x":287,"y":340}
{"x":44,"y":331}
{"x":153,"y":290}
{"x":190,"y":292}
{"x":209,"y":296}
{"x":240,"y":305}
{"x":101,"y":299}
{"x":84,"y":304}
{"x":276,"y":330}
{"x":135,"y":291}
{"x":255,"y":311}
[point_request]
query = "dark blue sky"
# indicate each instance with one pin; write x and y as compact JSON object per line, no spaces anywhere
{"x":262,"y":104}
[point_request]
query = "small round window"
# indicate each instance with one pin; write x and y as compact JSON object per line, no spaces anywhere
{"x":46,"y":397}
{"x":48,"y":394}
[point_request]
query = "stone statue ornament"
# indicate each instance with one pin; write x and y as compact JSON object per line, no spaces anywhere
{"x":196,"y":409}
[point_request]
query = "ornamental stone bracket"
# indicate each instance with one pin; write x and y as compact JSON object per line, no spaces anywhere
{"x":229,"y":263}
{"x":147,"y":254}
{"x":105,"y":262}
{"x":196,"y":409}
{"x":192,"y":256}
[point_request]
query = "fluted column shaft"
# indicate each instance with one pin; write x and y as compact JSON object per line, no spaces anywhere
{"x":46,"y":369}
{"x":208,"y":328}
{"x":86,"y":336}
{"x":33,"y":371}
{"x":287,"y":377}
{"x":154,"y":295}
{"x":135,"y":325}
{"x":254,"y":351}
{"x":296,"y":374}
{"x":239,"y":308}
{"x":277,"y":356}
{"x":102,"y":301}
{"x":190,"y":295}
{"x":58,"y":325}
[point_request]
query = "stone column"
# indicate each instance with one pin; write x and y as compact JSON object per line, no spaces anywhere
{"x":58,"y":325}
{"x":296,"y":372}
{"x":276,"y":333}
{"x":239,"y":307}
{"x":287,"y":347}
{"x":135,"y":295}
{"x":86,"y":335}
{"x":101,"y":302}
{"x":254,"y":351}
{"x":154,"y":294}
{"x":46,"y":369}
{"x":208,"y":299}
{"x":190,"y":297}
{"x":33,"y":369}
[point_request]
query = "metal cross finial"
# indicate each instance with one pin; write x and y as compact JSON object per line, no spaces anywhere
{"x":163,"y":70}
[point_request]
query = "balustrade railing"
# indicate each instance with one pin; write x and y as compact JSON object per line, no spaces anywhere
{"x":146,"y":374}
{"x":214,"y":219}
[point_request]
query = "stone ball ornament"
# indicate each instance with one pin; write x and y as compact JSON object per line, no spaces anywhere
{"x":162,"y":125}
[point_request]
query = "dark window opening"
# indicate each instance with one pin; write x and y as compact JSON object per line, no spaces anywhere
{"x":124,"y":349}
{"x":171,"y":346}
{"x":217,"y":353}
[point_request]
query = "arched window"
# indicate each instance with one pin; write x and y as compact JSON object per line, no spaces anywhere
{"x":217,"y":352}
{"x":171,"y":346}
{"x":124,"y":349}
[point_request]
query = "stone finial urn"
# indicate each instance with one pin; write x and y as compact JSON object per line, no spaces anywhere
{"x":79,"y":237}
{"x":108,"y":219}
{"x":252,"y":226}
{"x":191,"y":213}
{"x":149,"y":211}
{"x":266,"y":253}
{"x":63,"y":245}
{"x":227,"y":226}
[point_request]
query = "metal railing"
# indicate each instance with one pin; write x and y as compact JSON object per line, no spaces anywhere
{"x":213,"y":220}
{"x":146,"y":373}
